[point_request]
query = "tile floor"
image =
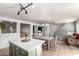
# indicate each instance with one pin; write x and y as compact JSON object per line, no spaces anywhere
{"x":61,"y":50}
{"x":4,"y":52}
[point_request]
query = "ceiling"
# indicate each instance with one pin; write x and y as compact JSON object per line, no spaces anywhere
{"x":42,"y":12}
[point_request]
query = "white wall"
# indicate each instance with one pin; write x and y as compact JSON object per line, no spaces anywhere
{"x":52,"y":29}
{"x":25,"y":28}
{"x":62,"y":31}
{"x":77,"y":26}
{"x":46,"y":30}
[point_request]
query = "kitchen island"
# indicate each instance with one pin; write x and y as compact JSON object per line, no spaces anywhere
{"x":30,"y":48}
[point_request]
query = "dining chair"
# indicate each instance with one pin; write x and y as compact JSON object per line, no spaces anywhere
{"x":45,"y":46}
{"x":54,"y":43}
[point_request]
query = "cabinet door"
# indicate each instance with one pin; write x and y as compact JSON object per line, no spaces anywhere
{"x":18,"y":51}
{"x":24,"y":53}
{"x":12,"y":49}
{"x":38,"y":51}
{"x":32,"y":52}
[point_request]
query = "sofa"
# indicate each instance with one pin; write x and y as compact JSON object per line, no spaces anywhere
{"x":72,"y":40}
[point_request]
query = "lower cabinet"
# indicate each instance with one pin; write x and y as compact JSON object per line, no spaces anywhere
{"x":23,"y":53}
{"x":38,"y":51}
{"x":17,"y":51}
{"x":12,"y":49}
{"x":20,"y":52}
{"x":31,"y":53}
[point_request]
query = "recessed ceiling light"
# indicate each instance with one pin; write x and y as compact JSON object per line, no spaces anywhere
{"x":47,"y":24}
{"x":42,"y":24}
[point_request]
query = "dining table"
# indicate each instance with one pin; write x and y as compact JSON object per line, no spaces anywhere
{"x":48,"y":39}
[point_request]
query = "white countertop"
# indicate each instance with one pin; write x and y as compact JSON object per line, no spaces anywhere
{"x":33,"y":43}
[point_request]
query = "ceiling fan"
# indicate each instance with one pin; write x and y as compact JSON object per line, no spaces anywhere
{"x":24,"y":8}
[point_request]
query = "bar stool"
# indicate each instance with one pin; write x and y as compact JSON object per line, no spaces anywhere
{"x":54,"y":43}
{"x":45,"y":45}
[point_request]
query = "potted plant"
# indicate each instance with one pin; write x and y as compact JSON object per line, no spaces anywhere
{"x":26,"y":39}
{"x":2,"y":26}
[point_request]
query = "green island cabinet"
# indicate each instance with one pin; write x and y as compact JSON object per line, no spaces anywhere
{"x":15,"y":50}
